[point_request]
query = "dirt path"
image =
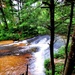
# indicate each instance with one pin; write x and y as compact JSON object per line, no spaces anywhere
{"x":59,"y":61}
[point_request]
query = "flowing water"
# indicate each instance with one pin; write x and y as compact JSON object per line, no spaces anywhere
{"x":42,"y":42}
{"x":36,"y":62}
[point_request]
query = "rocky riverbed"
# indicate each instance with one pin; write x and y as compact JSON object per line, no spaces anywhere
{"x":15,"y":55}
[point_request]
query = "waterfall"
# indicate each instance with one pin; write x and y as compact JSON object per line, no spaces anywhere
{"x":41,"y":42}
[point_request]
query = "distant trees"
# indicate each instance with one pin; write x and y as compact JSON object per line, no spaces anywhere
{"x":3,"y":14}
{"x":28,"y":17}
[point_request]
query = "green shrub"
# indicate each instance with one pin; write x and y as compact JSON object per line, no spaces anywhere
{"x":61,"y":52}
{"x":74,"y":70}
{"x":58,"y":69}
{"x":47,"y":64}
{"x":48,"y":72}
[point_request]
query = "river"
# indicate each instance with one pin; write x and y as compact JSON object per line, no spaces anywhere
{"x":38,"y":50}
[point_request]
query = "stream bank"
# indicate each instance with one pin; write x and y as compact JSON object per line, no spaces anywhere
{"x":38,"y":47}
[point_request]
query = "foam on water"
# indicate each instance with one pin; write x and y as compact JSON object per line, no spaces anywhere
{"x":42,"y":43}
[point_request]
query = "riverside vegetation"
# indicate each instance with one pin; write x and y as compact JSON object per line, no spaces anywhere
{"x":58,"y":66}
{"x":29,"y":19}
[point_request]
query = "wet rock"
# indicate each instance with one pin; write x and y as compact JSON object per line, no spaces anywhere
{"x":6,"y":42}
{"x":13,"y":65}
{"x":20,"y":44}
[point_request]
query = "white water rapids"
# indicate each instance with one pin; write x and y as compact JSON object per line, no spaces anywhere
{"x":42,"y":42}
{"x":36,"y":65}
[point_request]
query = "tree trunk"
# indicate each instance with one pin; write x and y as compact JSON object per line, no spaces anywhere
{"x":71,"y":58}
{"x":69,"y":30}
{"x":52,"y":35}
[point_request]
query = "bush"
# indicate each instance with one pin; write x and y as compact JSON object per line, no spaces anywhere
{"x":47,"y":64}
{"x":61,"y":52}
{"x":58,"y":69}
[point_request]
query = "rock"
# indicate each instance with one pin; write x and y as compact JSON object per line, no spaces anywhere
{"x":6,"y":42}
{"x":14,"y":65}
{"x":20,"y":44}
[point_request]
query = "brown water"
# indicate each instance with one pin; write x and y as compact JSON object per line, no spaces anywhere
{"x":13,"y":64}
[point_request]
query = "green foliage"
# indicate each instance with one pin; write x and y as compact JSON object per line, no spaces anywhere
{"x":31,"y":20}
{"x":48,"y":72}
{"x":74,"y":70}
{"x":47,"y":64}
{"x":61,"y":52}
{"x":58,"y":68}
{"x":5,"y":35}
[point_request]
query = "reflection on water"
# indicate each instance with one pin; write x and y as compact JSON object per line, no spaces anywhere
{"x":13,"y":65}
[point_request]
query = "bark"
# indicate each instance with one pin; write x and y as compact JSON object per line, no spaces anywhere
{"x":69,"y":30}
{"x":52,"y":35}
{"x":27,"y":70}
{"x":71,"y":58}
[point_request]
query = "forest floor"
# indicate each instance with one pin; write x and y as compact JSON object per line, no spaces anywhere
{"x":59,"y":61}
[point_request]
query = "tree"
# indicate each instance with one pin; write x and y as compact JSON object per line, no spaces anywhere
{"x":52,"y":35}
{"x":71,"y":58}
{"x":3,"y":14}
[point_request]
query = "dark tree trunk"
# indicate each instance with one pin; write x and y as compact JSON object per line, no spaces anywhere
{"x":71,"y":58}
{"x":69,"y":30}
{"x":52,"y":35}
{"x":27,"y":70}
